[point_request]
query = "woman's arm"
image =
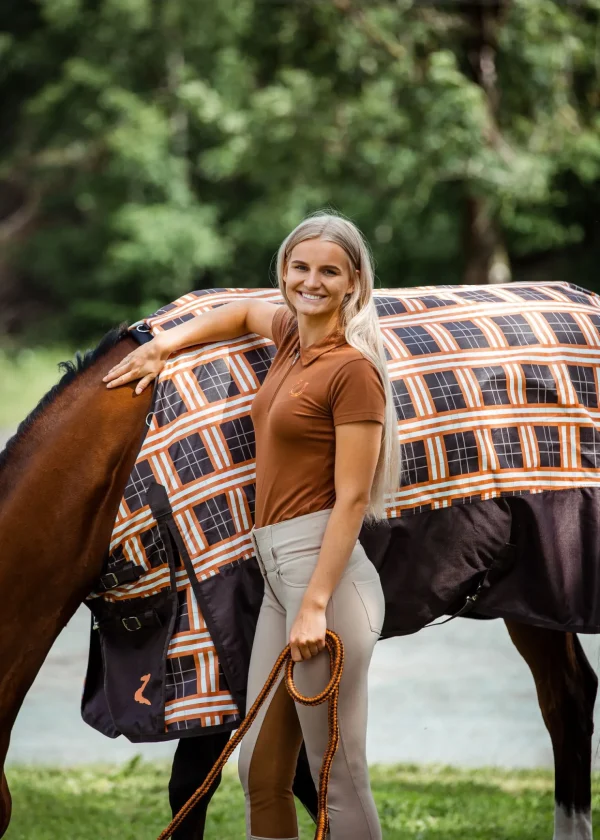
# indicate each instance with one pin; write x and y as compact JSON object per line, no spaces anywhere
{"x":224,"y":322}
{"x":356,"y":452}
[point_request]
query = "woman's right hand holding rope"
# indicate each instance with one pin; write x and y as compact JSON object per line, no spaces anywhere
{"x":330,"y":693}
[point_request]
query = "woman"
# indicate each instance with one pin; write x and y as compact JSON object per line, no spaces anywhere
{"x":326,"y":454}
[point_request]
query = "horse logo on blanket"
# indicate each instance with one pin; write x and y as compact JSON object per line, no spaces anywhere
{"x":496,"y":393}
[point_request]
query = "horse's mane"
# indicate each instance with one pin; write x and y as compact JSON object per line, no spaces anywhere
{"x":70,"y":370}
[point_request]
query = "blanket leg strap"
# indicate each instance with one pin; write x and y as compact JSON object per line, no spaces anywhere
{"x":330,"y":692}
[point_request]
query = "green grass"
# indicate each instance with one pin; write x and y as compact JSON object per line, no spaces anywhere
{"x":25,"y":376}
{"x":414,"y":803}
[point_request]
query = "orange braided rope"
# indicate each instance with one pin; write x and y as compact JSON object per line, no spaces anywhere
{"x":330,"y":692}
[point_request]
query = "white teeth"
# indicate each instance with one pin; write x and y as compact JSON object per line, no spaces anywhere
{"x":311,"y":297}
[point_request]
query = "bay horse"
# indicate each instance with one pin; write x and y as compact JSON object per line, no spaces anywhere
{"x":62,"y":477}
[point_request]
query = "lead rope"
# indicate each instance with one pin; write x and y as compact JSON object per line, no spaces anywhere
{"x":331,"y":692}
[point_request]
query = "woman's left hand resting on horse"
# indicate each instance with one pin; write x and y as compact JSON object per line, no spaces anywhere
{"x":356,"y":451}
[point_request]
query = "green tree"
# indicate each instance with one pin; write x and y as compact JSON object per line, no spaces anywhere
{"x":153,"y":147}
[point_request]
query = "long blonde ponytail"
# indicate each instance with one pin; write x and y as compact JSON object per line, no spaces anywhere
{"x":358,"y":318}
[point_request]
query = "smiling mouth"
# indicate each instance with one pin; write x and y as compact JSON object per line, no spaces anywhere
{"x":308,"y":296}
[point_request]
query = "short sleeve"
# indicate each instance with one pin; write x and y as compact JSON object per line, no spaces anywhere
{"x":357,"y":393}
{"x":280,"y":324}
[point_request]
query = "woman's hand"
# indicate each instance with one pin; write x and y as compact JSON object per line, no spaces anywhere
{"x":144,"y":363}
{"x":307,"y":636}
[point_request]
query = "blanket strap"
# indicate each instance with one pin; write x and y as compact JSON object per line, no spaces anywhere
{"x":505,"y":558}
{"x":131,"y":623}
{"x":122,"y":572}
{"x":158,"y":501}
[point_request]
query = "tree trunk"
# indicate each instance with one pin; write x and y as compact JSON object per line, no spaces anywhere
{"x":18,"y":219}
{"x":486,"y":257}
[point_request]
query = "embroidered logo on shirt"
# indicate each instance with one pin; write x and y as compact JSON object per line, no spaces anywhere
{"x":299,"y":388}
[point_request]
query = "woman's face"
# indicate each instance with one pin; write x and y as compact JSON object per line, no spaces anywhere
{"x":317,"y":277}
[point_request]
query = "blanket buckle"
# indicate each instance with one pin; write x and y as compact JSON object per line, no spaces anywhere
{"x":109,"y":580}
{"x":125,"y":623}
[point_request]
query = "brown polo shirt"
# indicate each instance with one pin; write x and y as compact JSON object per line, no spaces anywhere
{"x":306,"y":393}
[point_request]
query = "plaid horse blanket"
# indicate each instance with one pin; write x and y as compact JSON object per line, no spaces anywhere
{"x":496,"y":392}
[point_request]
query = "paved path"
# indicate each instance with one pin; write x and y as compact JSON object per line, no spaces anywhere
{"x":458,"y":694}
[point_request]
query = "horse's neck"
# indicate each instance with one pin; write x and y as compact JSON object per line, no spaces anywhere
{"x":55,"y":523}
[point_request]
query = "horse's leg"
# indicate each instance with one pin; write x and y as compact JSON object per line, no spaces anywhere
{"x":5,"y":805}
{"x":566,"y":688}
{"x":304,"y":787}
{"x":194,"y":759}
{"x":5,"y":800}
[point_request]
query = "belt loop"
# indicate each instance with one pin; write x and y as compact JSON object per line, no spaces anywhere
{"x":259,"y":559}
{"x":276,"y":568}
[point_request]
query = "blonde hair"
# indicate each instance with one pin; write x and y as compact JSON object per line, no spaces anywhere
{"x":360,"y":323}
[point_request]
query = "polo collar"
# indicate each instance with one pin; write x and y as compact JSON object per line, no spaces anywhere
{"x":329,"y":342}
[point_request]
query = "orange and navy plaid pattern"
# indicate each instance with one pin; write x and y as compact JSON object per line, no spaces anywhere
{"x":496,"y":393}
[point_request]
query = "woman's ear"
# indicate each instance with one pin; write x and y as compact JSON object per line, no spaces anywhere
{"x":355,"y":283}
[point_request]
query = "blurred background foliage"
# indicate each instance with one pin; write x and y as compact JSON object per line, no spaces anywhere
{"x":149,"y":147}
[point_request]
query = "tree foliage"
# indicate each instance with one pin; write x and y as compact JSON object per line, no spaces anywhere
{"x":153,"y":146}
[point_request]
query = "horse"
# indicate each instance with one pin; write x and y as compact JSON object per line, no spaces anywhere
{"x":61,"y":480}
{"x":62,"y":477}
